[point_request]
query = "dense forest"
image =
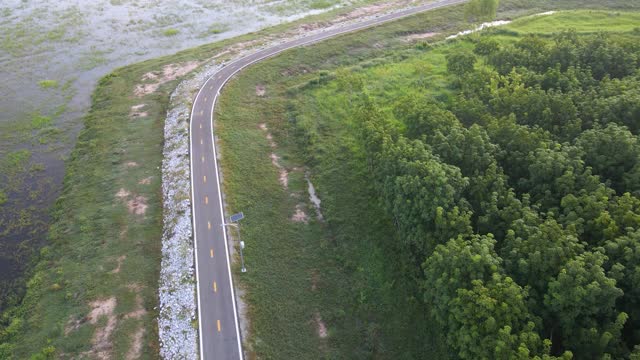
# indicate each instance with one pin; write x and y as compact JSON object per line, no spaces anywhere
{"x":516,"y":199}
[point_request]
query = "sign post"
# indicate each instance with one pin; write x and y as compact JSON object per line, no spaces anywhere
{"x":234,"y":221}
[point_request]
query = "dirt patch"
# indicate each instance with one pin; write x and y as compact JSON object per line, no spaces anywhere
{"x":169,"y":72}
{"x":414,"y":37}
{"x":270,"y":140}
{"x":295,"y":71}
{"x":73,"y":324}
{"x":145,"y":181}
{"x":314,"y":280}
{"x":320,"y":325}
{"x":300,"y":215}
{"x":122,"y":193}
{"x":131,"y":164}
{"x":101,"y":341}
{"x":119,"y":261}
{"x":269,"y":137}
{"x":283,"y":173}
{"x":136,"y":111}
{"x":239,"y":47}
{"x":367,"y":11}
{"x":139,"y":311}
{"x":124,"y":228}
{"x":135,"y":350}
{"x":101,"y":308}
{"x":137,"y":205}
{"x":275,"y":159}
{"x":261,"y":90}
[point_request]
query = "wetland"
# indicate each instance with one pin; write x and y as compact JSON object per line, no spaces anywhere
{"x":52,"y":54}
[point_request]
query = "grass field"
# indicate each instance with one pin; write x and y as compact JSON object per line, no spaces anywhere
{"x":322,"y":289}
{"x":582,"y":21}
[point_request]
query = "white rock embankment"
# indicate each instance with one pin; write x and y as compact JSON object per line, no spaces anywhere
{"x":177,"y":320}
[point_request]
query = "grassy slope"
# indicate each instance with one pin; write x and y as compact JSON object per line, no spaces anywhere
{"x":359,"y":293}
{"x":583,"y":21}
{"x":93,"y":228}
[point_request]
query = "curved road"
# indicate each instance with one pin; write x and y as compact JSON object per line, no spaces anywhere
{"x":217,"y":312}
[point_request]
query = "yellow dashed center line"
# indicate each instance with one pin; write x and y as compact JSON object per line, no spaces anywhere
{"x":215,"y":287}
{"x":203,"y":159}
{"x":211,"y":253}
{"x":206,"y":98}
{"x":211,"y":87}
{"x":218,"y":325}
{"x":206,"y":199}
{"x":205,"y":178}
{"x":201,"y":142}
{"x":200,"y":126}
{"x":201,"y":112}
{"x":209,"y":225}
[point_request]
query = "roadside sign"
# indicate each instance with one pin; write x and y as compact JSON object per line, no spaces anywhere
{"x":236,"y":217}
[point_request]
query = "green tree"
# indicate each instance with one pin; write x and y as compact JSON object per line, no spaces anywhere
{"x":555,"y":173}
{"x":534,"y":252}
{"x":460,"y":63}
{"x":582,"y":298}
{"x":606,"y":57}
{"x":455,"y":265}
{"x":423,"y":117}
{"x":484,"y":312}
{"x":423,"y":195}
{"x":481,"y":316}
{"x":486,"y":46}
{"x":624,"y":260}
{"x":612,"y":152}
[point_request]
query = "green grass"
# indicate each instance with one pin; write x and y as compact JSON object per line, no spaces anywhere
{"x":39,"y":121}
{"x":360,"y":294}
{"x":15,"y":161}
{"x":583,"y":21}
{"x":171,"y":32}
{"x":46,"y":84}
{"x":320,"y":4}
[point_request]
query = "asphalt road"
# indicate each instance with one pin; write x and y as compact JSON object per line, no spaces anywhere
{"x":217,"y":311}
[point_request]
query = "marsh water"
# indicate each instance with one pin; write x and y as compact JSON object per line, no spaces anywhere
{"x":52,"y":53}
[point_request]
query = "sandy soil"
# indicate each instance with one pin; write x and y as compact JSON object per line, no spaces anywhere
{"x":283,"y":173}
{"x":320,"y":325}
{"x":136,"y":111}
{"x":137,"y":205}
{"x":135,"y":350}
{"x":119,"y":262}
{"x":101,"y":341}
{"x":169,"y":72}
{"x":414,"y":37}
{"x":122,"y":193}
{"x":300,"y":215}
